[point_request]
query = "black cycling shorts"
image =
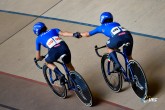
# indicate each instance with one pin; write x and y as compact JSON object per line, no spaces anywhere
{"x":57,"y":51}
{"x":119,"y":39}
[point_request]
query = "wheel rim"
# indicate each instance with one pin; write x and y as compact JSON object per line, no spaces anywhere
{"x":114,"y":79}
{"x":82,"y":89}
{"x":139,"y":86}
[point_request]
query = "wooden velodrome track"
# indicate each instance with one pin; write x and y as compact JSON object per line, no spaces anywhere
{"x":22,"y":86}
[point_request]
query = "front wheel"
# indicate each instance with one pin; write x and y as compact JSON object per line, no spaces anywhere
{"x":81,"y":88}
{"x":54,"y":82}
{"x":111,"y":77}
{"x":139,"y":84}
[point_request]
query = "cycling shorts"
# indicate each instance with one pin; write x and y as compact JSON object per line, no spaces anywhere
{"x":57,"y":51}
{"x":119,"y":39}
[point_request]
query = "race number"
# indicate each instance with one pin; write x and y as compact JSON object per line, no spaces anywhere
{"x":117,"y":29}
{"x":53,"y":41}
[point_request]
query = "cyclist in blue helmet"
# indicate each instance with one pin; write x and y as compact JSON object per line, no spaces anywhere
{"x":57,"y":47}
{"x":117,"y":35}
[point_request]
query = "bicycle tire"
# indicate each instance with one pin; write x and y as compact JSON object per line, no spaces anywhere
{"x":114,"y":79}
{"x":81,"y":88}
{"x":140,"y":86}
{"x":57,"y":88}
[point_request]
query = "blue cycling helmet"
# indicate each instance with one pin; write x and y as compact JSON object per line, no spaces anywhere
{"x":38,"y":28}
{"x":106,"y":17}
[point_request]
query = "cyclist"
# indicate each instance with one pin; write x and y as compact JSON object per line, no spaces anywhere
{"x":57,"y":48}
{"x":117,"y":36}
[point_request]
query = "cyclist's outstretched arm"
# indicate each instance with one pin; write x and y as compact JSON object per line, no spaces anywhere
{"x":65,"y":34}
{"x":85,"y":34}
{"x":91,"y":33}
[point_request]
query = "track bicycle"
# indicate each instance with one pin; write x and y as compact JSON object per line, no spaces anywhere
{"x":74,"y":81}
{"x":131,"y":72}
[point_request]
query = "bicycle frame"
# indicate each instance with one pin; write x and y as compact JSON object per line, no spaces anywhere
{"x":69,"y":85}
{"x":124,"y":71}
{"x":132,"y":73}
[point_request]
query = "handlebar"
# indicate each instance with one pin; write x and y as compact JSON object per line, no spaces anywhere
{"x":96,"y":50}
{"x":36,"y":62}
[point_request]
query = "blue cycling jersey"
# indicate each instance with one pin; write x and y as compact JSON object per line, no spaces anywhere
{"x":48,"y":39}
{"x":108,"y":29}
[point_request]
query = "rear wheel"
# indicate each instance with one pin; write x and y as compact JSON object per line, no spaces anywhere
{"x":54,"y":82}
{"x":111,"y":77}
{"x":81,"y":88}
{"x":139,"y":85}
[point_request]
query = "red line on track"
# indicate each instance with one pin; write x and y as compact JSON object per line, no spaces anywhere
{"x":45,"y":84}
